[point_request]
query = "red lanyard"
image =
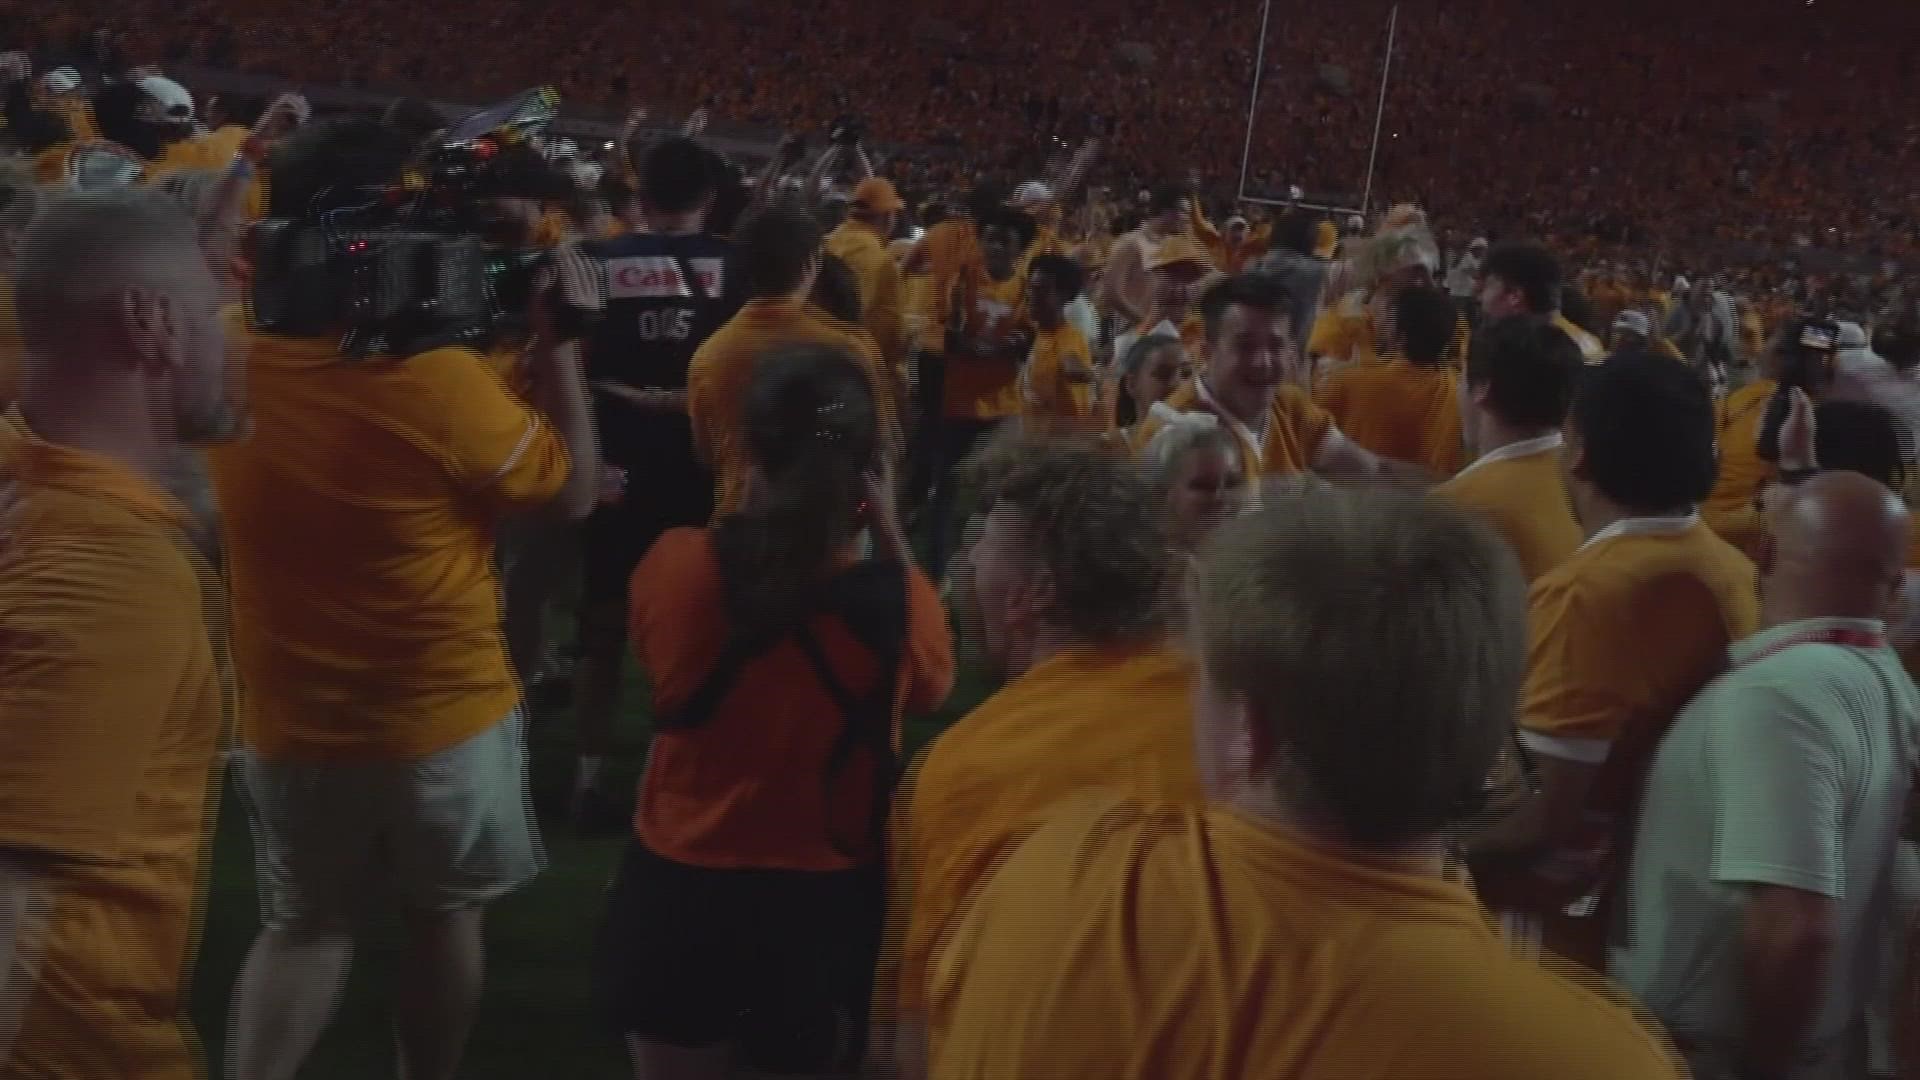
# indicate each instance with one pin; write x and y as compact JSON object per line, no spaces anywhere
{"x":1852,"y":637}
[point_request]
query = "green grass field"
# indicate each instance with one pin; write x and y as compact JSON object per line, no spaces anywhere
{"x":535,"y":1019}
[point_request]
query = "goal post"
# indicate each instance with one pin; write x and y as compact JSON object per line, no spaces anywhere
{"x":1365,"y":187}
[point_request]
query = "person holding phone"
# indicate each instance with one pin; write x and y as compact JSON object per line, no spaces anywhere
{"x":1748,"y":426}
{"x":744,"y":923}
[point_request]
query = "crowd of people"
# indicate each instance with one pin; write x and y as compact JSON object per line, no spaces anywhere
{"x":1787,"y":134}
{"x":1417,"y":656}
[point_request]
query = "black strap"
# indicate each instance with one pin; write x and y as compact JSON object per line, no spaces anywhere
{"x":871,"y":600}
{"x":867,"y":723}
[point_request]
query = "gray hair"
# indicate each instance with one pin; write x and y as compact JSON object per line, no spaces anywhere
{"x":1379,"y":636}
{"x":1179,"y":439}
{"x":83,"y":246}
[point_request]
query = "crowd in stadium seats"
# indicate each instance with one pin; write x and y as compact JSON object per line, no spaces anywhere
{"x":1778,"y":123}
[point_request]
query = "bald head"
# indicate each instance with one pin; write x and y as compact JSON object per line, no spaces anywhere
{"x":1839,"y":547}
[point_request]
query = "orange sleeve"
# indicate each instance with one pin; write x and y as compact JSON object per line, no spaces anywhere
{"x":494,"y":445}
{"x":1332,"y":335}
{"x":1330,"y":394}
{"x":673,"y":640}
{"x":99,"y":630}
{"x":1307,"y":420}
{"x":1571,"y":674}
{"x":930,"y":660}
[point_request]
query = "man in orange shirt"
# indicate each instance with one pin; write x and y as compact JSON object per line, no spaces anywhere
{"x":382,"y":737}
{"x":988,"y":335}
{"x":1406,"y":408}
{"x":1520,"y":378}
{"x":113,"y":700}
{"x":779,"y":256}
{"x":1623,"y":633}
{"x":1524,"y":279}
{"x":860,"y":242}
{"x":1250,"y":336}
{"x":1071,"y":574}
{"x":1307,"y":921}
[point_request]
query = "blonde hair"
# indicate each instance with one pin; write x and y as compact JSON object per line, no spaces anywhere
{"x":1380,"y":637}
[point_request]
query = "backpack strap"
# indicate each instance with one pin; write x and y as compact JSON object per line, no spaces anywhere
{"x":871,"y":600}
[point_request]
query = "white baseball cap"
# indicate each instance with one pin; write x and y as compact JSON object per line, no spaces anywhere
{"x":174,"y":101}
{"x":1478,"y":242}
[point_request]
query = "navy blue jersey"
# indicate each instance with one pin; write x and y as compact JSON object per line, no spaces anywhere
{"x":655,"y":318}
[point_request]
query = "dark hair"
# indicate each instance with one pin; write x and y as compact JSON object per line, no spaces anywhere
{"x":1166,"y":198}
{"x":1095,"y":521}
{"x":1122,"y":224}
{"x":812,"y":429}
{"x":1263,"y":291}
{"x":1018,"y":222}
{"x":1067,"y":276}
{"x":1646,"y":426}
{"x":1575,"y":308}
{"x":1425,"y":320}
{"x":1296,"y":231}
{"x":837,"y":291}
{"x":676,"y":174}
{"x":984,"y":201}
{"x":414,"y":117}
{"x":1857,"y":436}
{"x":1529,"y":367}
{"x":331,"y":163}
{"x":1530,"y":268}
{"x":776,"y":245}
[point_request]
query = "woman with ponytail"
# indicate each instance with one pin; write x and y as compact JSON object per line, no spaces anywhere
{"x":743,"y":926}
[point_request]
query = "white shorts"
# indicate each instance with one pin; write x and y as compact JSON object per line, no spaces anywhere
{"x":447,"y":831}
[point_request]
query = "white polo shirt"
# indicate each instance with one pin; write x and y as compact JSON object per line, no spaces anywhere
{"x":1791,"y":769}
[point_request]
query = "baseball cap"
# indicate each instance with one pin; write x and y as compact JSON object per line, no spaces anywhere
{"x":1478,"y":242}
{"x":174,"y":100}
{"x":1236,"y":220}
{"x":877,"y":194}
{"x":1852,"y":336}
{"x":1356,"y":223}
{"x":1634,"y":322}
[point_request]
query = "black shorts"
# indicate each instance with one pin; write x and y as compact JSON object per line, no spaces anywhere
{"x":776,"y":964}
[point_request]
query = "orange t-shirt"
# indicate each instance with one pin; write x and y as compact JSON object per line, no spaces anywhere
{"x":1116,"y":718}
{"x":1398,"y":410}
{"x":1052,"y":399}
{"x":722,"y":371}
{"x":746,"y":788}
{"x":359,"y":520}
{"x":1124,"y":941}
{"x":1519,"y":490}
{"x":986,"y":388}
{"x":1295,"y":430}
{"x":113,"y":704}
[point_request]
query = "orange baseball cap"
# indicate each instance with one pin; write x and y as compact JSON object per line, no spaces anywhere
{"x":877,"y":193}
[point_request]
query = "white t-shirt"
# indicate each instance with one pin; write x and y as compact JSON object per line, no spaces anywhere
{"x":1791,"y":769}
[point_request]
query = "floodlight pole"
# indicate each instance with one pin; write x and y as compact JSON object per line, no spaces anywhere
{"x":1253,"y":101}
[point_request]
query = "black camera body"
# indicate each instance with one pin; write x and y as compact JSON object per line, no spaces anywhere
{"x":416,"y":266}
{"x":1807,"y":364}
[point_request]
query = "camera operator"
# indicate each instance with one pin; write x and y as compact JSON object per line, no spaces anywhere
{"x":1748,"y":424}
{"x":382,"y":736}
{"x":666,"y":294}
